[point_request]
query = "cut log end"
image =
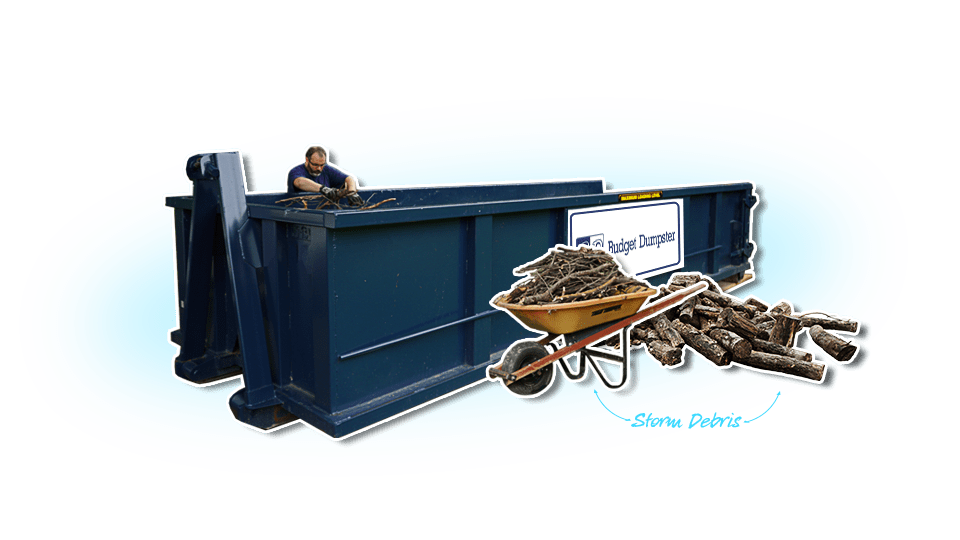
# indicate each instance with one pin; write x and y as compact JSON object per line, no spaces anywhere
{"x":784,"y":330}
{"x":664,"y":353}
{"x":783,"y":308}
{"x":842,"y":351}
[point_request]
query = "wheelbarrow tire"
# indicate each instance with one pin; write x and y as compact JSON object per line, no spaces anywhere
{"x":523,"y":354}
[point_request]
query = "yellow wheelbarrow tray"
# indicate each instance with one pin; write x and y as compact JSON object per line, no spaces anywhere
{"x":532,"y":357}
{"x":564,"y":318}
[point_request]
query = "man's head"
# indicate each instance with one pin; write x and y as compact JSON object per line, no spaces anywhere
{"x":316,"y":159}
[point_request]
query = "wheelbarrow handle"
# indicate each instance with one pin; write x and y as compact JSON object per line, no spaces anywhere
{"x":505,"y":375}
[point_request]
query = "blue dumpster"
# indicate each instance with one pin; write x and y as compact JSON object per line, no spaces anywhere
{"x":344,"y":318}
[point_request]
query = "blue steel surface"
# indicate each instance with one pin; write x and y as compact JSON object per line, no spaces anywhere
{"x":218,"y":183}
{"x":209,"y":331}
{"x":242,"y":281}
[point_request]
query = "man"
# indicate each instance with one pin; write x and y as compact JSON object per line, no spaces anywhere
{"x":317,"y":176}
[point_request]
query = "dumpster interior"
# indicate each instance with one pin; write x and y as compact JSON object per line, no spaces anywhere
{"x":418,"y":197}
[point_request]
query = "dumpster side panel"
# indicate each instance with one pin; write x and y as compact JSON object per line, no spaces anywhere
{"x":699,"y":227}
{"x":726,"y":212}
{"x":518,"y":238}
{"x":719,"y":229}
{"x":303,"y":306}
{"x":389,"y":283}
{"x":269,"y":279}
{"x":477,"y":239}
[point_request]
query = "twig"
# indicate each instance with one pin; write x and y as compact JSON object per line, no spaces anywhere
{"x":376,"y":205}
{"x":324,"y":201}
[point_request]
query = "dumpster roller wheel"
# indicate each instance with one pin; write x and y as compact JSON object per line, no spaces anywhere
{"x":523,"y":354}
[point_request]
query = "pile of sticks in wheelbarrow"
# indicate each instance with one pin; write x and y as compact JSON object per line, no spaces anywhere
{"x":725,"y":329}
{"x":570,"y":275}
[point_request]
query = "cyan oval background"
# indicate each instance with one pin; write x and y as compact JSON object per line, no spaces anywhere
{"x":100,"y":298}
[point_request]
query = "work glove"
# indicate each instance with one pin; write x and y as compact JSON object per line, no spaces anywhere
{"x":354,"y":200}
{"x":329,"y":193}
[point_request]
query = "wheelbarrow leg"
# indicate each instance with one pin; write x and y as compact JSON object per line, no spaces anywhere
{"x":582,"y":369}
{"x":587,"y":356}
{"x":550,"y":342}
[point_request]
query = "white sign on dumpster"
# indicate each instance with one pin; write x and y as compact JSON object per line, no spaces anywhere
{"x":647,"y":237}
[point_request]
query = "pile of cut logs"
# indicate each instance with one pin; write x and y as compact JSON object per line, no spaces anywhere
{"x":725,"y":329}
{"x":571,"y":275}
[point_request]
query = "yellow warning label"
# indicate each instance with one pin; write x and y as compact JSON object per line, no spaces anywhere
{"x":640,"y":196}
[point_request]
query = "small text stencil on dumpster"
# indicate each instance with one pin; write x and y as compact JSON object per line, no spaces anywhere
{"x":647,"y":238}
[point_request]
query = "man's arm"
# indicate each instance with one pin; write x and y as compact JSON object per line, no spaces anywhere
{"x":306,"y":184}
{"x":351,"y":184}
{"x":334,"y":176}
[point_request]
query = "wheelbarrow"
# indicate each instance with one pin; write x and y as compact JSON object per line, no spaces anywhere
{"x":526,"y":368}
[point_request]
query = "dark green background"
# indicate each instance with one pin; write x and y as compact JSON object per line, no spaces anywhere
{"x":97,"y":97}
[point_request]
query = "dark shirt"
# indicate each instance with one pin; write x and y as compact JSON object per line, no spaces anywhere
{"x":329,"y":176}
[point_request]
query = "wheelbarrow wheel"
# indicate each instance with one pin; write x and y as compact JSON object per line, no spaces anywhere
{"x":523,"y":354}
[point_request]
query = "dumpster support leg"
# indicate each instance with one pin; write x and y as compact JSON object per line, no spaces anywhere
{"x":200,"y":362}
{"x":256,"y":404}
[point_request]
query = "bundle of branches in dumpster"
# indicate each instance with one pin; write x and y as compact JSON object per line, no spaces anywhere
{"x":335,"y":200}
{"x":571,"y":275}
{"x":725,"y":329}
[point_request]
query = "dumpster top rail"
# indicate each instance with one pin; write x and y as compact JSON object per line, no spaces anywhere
{"x":455,"y":201}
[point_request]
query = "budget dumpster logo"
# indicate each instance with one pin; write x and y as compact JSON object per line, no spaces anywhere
{"x":646,"y":238}
{"x":626,"y":245}
{"x":595,"y":241}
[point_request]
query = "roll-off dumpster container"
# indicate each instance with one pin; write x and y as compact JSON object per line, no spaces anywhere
{"x":344,"y":318}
